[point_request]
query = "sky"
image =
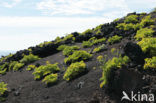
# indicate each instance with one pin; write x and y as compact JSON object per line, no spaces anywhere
{"x":25,"y":23}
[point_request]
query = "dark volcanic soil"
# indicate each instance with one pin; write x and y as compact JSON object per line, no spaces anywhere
{"x":24,"y":89}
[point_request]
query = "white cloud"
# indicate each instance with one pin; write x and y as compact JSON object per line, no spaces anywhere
{"x":21,"y":32}
{"x":71,"y":7}
{"x":12,"y":4}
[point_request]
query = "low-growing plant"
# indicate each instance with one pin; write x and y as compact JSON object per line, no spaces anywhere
{"x":18,"y":66}
{"x":12,"y":64}
{"x":117,"y":19}
{"x":50,"y":79}
{"x":93,"y":41}
{"x":99,"y":49}
{"x":77,"y":56}
{"x":44,"y":70}
{"x":146,"y":21}
{"x":115,"y":62}
{"x":29,"y":59}
{"x":86,"y":44}
{"x":74,"y":70}
{"x":148,"y":46}
{"x":144,"y":33}
{"x":100,"y":58}
{"x":68,"y":50}
{"x":89,"y":31}
{"x":44,"y":43}
{"x":4,"y":68}
{"x":3,"y":88}
{"x":114,"y":39}
{"x":131,"y":19}
{"x":31,"y":67}
{"x":61,"y":47}
{"x":150,"y":63}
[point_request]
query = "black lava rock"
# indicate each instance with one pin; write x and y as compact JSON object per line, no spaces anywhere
{"x":134,"y":52}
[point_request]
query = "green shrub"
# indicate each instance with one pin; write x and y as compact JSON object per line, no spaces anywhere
{"x":4,"y":68}
{"x":127,"y":27}
{"x":150,"y":63}
{"x":77,"y":56}
{"x":86,"y":44}
{"x":117,"y":19}
{"x":110,"y":64}
{"x":99,"y":58}
{"x":131,"y":19}
{"x":89,"y":31}
{"x":93,"y":41}
{"x":68,"y":50}
{"x":45,"y":43}
{"x":31,"y":67}
{"x":148,"y":46}
{"x":44,"y":70}
{"x":3,"y":88}
{"x":146,"y":21}
{"x":143,"y":33}
{"x":99,"y":27}
{"x":50,"y":79}
{"x":12,"y":64}
{"x":18,"y":66}
{"x":62,"y":47}
{"x":97,"y":30}
{"x":99,"y":49}
{"x":74,"y":70}
{"x":29,"y":59}
{"x":114,"y":39}
{"x":97,"y":41}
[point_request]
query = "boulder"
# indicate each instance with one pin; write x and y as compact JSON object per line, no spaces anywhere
{"x":134,"y":52}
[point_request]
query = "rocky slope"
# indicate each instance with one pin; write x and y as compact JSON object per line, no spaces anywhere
{"x":137,"y":75}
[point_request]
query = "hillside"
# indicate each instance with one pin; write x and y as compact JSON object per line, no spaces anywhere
{"x":95,"y":66}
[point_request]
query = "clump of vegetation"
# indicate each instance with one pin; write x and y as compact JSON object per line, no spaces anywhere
{"x":143,"y":33}
{"x":117,"y":19}
{"x":115,"y":62}
{"x":148,"y":46}
{"x":93,"y":41}
{"x":115,"y":52}
{"x":99,"y":49}
{"x":62,"y":47}
{"x":18,"y":66}
{"x":50,"y":79}
{"x":68,"y":50}
{"x":131,"y":19}
{"x":97,"y":30}
{"x":12,"y":64}
{"x":3,"y":90}
{"x":45,"y":43}
{"x":146,"y":21}
{"x":74,"y":70}
{"x":86,"y":44}
{"x":31,"y":67}
{"x":114,"y":39}
{"x":3,"y":68}
{"x":29,"y":59}
{"x":66,"y":38}
{"x":77,"y":56}
{"x":150,"y":63}
{"x":89,"y":31}
{"x":44,"y":70}
{"x":100,"y":58}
